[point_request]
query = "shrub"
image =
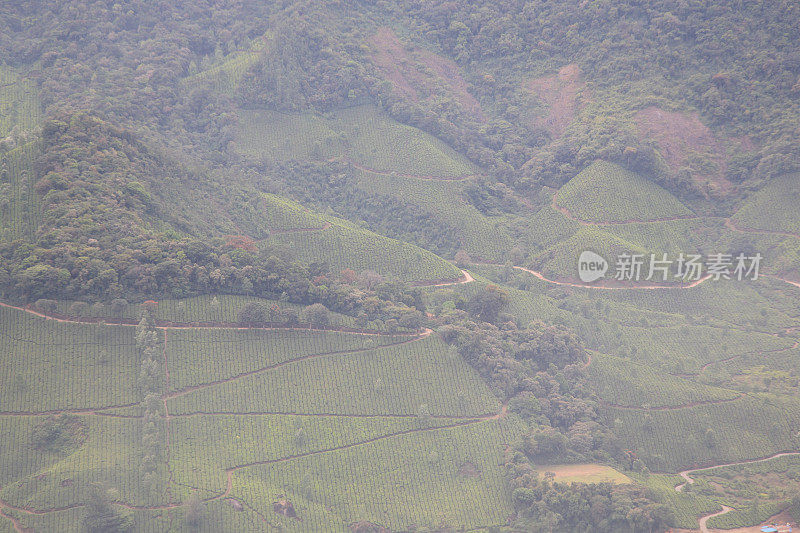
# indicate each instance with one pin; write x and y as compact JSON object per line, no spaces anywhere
{"x":316,"y":314}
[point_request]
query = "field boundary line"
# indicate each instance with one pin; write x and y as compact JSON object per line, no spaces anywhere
{"x":731,"y":225}
{"x":173,"y":325}
{"x":193,"y":388}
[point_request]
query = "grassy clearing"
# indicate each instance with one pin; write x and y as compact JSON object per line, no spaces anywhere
{"x":584,"y":473}
{"x":605,"y":192}
{"x":362,"y":134}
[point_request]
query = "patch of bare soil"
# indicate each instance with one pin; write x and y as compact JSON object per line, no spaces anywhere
{"x":561,"y":92}
{"x":684,"y":141}
{"x":284,"y":508}
{"x":417,"y":73}
{"x":469,"y":470}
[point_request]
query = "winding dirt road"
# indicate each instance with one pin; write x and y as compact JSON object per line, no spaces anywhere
{"x":542,"y":277}
{"x":686,"y":474}
{"x":465,"y":278}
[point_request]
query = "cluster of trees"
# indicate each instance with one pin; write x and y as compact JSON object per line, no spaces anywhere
{"x":102,"y":515}
{"x":256,"y":313}
{"x":125,"y":62}
{"x":539,"y":370}
{"x":684,"y":50}
{"x":334,"y":185}
{"x":151,"y":386}
{"x":306,"y":67}
{"x":101,"y":194}
{"x":544,"y":506}
{"x":58,"y":433}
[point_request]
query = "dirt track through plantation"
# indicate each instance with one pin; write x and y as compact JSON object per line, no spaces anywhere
{"x":686,"y":474}
{"x":193,"y":388}
{"x":542,"y":277}
{"x":230,"y":471}
{"x":461,"y":421}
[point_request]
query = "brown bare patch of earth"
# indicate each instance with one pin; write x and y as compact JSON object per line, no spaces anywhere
{"x":685,"y":142}
{"x":563,"y":94}
{"x":417,"y":73}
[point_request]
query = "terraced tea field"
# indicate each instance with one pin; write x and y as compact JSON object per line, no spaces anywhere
{"x":343,"y":245}
{"x":254,"y":416}
{"x":607,"y":193}
{"x":361,"y":134}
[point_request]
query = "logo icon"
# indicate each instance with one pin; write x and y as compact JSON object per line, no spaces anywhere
{"x":591,"y":266}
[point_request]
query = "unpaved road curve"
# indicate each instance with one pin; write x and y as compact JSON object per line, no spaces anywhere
{"x":704,"y":520}
{"x":542,"y":277}
{"x":725,"y":509}
{"x":686,"y":474}
{"x":465,"y":278}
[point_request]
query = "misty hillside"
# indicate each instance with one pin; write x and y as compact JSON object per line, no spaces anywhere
{"x":317,"y":266}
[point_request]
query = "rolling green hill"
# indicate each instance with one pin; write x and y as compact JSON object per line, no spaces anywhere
{"x":320,"y":443}
{"x":361,"y":134}
{"x":773,"y":208}
{"x":229,"y":298}
{"x":605,"y":192}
